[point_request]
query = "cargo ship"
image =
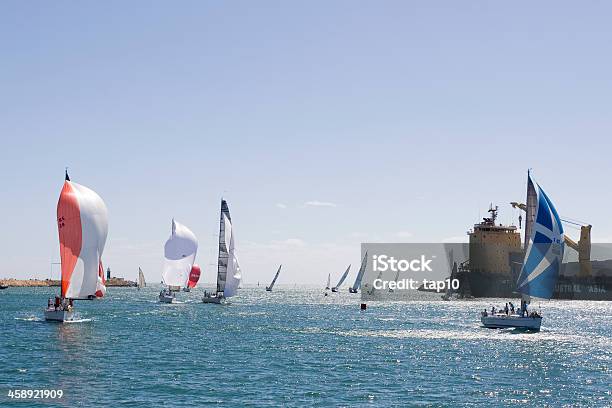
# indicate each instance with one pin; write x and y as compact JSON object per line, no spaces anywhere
{"x":496,"y":256}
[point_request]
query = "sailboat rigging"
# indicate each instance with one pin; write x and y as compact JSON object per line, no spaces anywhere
{"x":179,"y":255}
{"x":342,"y":278}
{"x":82,"y":221}
{"x":229,"y":275}
{"x":544,"y":243}
{"x":269,"y":288}
{"x":359,"y":278}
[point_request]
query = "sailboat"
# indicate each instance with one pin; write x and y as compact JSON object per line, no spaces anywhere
{"x":194,"y":277}
{"x":141,"y":279}
{"x":269,"y":288}
{"x":179,"y":252}
{"x":82,"y":222}
{"x":395,"y":280}
{"x":342,"y":278}
{"x":229,"y":275}
{"x":328,"y":281}
{"x":359,"y":278}
{"x":544,"y":243}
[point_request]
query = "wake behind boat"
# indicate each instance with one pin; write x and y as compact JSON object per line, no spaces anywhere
{"x":269,"y":288}
{"x":229,"y":275}
{"x":179,"y":254}
{"x":82,"y":222}
{"x":544,"y":245}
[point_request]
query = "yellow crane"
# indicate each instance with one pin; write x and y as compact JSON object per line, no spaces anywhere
{"x":583,"y":246}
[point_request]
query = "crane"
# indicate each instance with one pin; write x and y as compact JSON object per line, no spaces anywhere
{"x":583,"y":246}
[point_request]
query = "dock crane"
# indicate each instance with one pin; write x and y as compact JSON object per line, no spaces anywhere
{"x":583,"y":246}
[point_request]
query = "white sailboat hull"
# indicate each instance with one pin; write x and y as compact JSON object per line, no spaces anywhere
{"x":59,"y":315}
{"x":213,"y":299}
{"x":512,"y":321}
{"x":166,"y":298}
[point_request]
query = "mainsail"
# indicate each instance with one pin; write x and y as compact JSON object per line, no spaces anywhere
{"x":179,"y":252}
{"x":362,"y":268}
{"x":342,"y":278}
{"x":141,"y":279}
{"x":82,"y":220}
{"x":194,"y":276}
{"x":544,"y":243}
{"x":275,"y":278}
{"x":229,"y":275}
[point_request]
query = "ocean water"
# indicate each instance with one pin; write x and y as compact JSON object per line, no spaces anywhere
{"x":294,"y":347}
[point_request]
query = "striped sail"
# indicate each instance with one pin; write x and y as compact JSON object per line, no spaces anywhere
{"x":229,"y":275}
{"x":544,"y":243}
{"x":342,"y":278}
{"x":275,"y":278}
{"x":179,"y":255}
{"x":225,"y":224}
{"x":362,"y":268}
{"x":82,"y":220}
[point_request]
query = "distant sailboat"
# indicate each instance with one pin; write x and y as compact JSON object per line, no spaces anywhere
{"x":141,"y":279}
{"x":359,"y":278}
{"x":179,"y":252}
{"x":194,"y":277}
{"x":544,"y":243}
{"x":82,"y":220}
{"x":229,"y":275}
{"x":269,"y":288}
{"x":328,"y":281}
{"x":342,"y":278}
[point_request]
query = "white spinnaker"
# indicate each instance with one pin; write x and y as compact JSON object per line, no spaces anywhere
{"x":179,"y":253}
{"x":94,"y":230}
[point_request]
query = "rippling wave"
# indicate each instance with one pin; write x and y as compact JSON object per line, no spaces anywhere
{"x":295,"y":347}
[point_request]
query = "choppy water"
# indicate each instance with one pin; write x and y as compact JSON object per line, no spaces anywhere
{"x":294,"y":347}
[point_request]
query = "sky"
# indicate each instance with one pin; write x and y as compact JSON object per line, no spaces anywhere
{"x":323,"y":123}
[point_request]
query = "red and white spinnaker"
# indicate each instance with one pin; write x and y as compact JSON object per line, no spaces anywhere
{"x":82,"y":220}
{"x":194,"y":276}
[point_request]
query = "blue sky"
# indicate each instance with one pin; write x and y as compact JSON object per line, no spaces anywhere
{"x":406,"y":118}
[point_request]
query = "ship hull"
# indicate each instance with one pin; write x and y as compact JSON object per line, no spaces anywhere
{"x":567,"y":288}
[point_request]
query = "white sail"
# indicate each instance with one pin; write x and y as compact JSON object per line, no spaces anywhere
{"x":141,"y":279}
{"x":342,"y":278}
{"x":179,"y":252}
{"x":275,"y":278}
{"x":83,"y":227}
{"x":229,"y":275}
{"x":359,"y":278}
{"x":328,"y":281}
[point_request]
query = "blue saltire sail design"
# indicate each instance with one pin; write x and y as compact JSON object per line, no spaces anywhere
{"x":544,"y":243}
